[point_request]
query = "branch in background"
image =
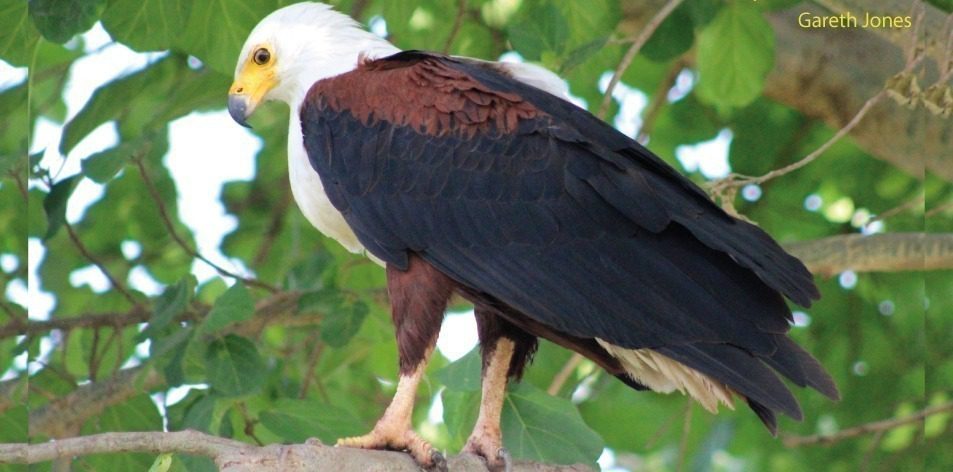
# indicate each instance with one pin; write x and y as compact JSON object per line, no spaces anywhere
{"x":938,"y":209}
{"x":92,"y":398}
{"x":275,"y":223}
{"x":875,"y":427}
{"x":457,"y":23}
{"x":234,"y":456}
{"x":915,"y":202}
{"x":686,"y":429}
{"x":64,"y":413}
{"x":137,"y":315}
{"x":735,"y":181}
{"x":658,"y":100}
{"x":568,"y":368}
{"x":633,"y":50}
{"x":932,"y":27}
{"x":827,"y":73}
{"x":21,"y":186}
{"x":891,"y":252}
{"x":116,"y":284}
{"x":167,"y":221}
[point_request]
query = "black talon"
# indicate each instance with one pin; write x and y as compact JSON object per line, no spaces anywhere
{"x":504,"y":455}
{"x":439,"y":462}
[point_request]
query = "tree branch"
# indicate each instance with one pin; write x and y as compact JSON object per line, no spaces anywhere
{"x":932,"y":27}
{"x":88,"y":400}
{"x":874,"y":427}
{"x":55,"y":418}
{"x":891,"y":252}
{"x":116,"y":284}
{"x":234,"y":456}
{"x":167,"y":220}
{"x":640,"y":40}
{"x":659,"y":99}
{"x":828,"y":73}
{"x":457,"y":23}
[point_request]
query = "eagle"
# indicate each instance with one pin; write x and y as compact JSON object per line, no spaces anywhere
{"x":463,"y":176}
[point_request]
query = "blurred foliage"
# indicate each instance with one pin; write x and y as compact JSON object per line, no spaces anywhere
{"x":324,"y":363}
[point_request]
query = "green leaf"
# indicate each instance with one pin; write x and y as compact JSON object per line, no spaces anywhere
{"x":18,"y":36}
{"x":582,"y":53}
{"x":147,"y":100}
{"x":102,"y":166}
{"x":672,"y":38}
{"x":460,"y":411}
{"x":540,"y":427}
{"x":60,"y":20}
{"x":162,"y":463}
{"x":55,"y":205}
{"x":307,"y":274}
{"x":762,"y":131}
{"x":542,"y":29}
{"x":177,"y":344}
{"x":147,"y":25}
{"x":217,"y":29}
{"x":339,"y":326}
{"x":735,"y":54}
{"x":234,"y":366}
{"x":464,"y":374}
{"x":298,"y":420}
{"x":233,"y":306}
{"x":172,"y":302}
{"x":13,"y":425}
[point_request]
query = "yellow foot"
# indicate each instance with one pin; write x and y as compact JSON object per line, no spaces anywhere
{"x":406,"y":440}
{"x":491,"y":450}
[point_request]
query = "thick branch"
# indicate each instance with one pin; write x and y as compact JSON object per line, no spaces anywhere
{"x":234,"y":456}
{"x":892,"y":252}
{"x":932,"y":27}
{"x":55,"y":418}
{"x":829,"y":73}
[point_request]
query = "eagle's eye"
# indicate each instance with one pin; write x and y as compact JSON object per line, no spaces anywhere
{"x":261,"y":56}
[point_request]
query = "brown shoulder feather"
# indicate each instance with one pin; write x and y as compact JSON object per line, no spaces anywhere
{"x":426,"y":93}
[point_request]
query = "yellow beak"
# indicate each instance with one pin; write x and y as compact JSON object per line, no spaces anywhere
{"x":249,"y":89}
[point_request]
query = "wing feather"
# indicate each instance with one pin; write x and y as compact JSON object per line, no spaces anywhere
{"x":524,"y":197}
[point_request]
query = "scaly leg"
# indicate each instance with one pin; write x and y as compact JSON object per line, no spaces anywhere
{"x":394,"y":429}
{"x":486,"y":439}
{"x":419,"y":297}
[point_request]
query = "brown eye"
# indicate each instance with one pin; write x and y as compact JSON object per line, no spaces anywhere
{"x":261,"y":56}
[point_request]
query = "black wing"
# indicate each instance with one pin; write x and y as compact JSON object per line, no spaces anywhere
{"x":572,"y":223}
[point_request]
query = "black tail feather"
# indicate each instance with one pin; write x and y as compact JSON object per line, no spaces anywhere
{"x":802,"y":368}
{"x":766,"y":415}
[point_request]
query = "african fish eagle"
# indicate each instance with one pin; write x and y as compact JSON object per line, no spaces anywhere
{"x":480,"y":178}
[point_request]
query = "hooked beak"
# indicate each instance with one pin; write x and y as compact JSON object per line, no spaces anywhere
{"x":238,"y":108}
{"x":250,"y":88}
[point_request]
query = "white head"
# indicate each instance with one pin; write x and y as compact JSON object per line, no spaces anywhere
{"x":291,"y":49}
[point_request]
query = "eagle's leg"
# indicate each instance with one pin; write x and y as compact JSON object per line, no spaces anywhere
{"x":419,"y":297}
{"x":506,"y":350}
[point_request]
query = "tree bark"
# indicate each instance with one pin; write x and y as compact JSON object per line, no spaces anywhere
{"x":829,"y":73}
{"x":234,"y":456}
{"x":891,"y":252}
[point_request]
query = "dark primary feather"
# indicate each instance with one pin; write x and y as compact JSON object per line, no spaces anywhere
{"x":523,"y":196}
